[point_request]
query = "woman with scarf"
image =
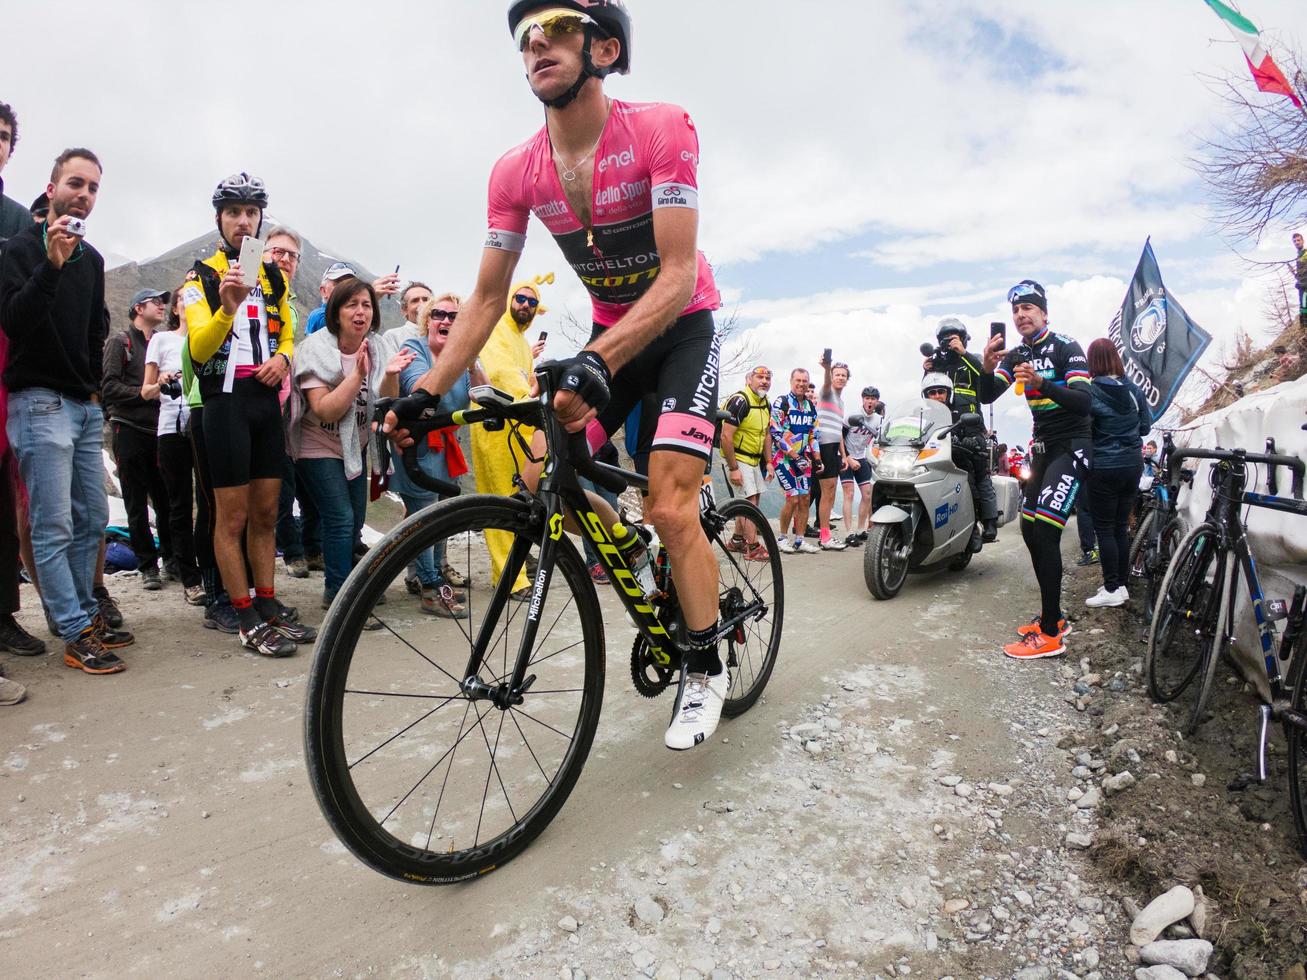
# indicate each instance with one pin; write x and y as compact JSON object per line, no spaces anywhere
{"x":440,"y":456}
{"x":336,"y":386}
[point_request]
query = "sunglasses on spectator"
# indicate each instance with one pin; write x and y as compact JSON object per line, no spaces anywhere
{"x":444,"y":315}
{"x":552,"y":23}
{"x":520,"y":299}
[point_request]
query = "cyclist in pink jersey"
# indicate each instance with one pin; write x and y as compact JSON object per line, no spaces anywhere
{"x":615,"y":183}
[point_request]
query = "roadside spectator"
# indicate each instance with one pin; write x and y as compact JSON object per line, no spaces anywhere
{"x":1120,"y":420}
{"x":163,"y":383}
{"x":336,"y":272}
{"x":440,"y":456}
{"x":336,"y":387}
{"x":508,"y":363}
{"x":1089,"y":552}
{"x":1300,"y":276}
{"x":14,"y":218}
{"x":240,"y":341}
{"x":284,"y":248}
{"x":52,"y":309}
{"x":1150,"y":458}
{"x":859,"y":435}
{"x":747,"y":449}
{"x":830,"y":446}
{"x":793,"y":428}
{"x":415,"y":296}
{"x":40,"y":209}
{"x":134,"y":423}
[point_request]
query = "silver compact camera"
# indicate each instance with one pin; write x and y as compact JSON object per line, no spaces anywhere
{"x":76,"y":226}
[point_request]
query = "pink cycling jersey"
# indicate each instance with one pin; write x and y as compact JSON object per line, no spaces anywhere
{"x":647,"y":158}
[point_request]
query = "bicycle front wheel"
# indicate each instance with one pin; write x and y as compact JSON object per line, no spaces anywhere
{"x":1159,"y":556}
{"x":1139,"y":543}
{"x":751,"y":592}
{"x":420,"y":774}
{"x":1297,"y":739}
{"x":1185,"y":622}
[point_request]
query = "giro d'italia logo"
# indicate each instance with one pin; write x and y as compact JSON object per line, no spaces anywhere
{"x":1149,"y":325}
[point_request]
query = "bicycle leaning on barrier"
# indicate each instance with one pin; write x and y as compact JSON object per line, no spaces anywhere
{"x":1193,"y":622}
{"x":1159,"y":527}
{"x":440,"y":748}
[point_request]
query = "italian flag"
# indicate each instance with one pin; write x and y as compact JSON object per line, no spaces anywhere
{"x":1266,"y":74}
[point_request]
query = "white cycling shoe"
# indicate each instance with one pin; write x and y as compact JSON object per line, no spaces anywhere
{"x":699,"y":699}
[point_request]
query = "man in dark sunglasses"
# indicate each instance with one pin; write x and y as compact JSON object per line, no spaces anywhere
{"x":616,"y":184}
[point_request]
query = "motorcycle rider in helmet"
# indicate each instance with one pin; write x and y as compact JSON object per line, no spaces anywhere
{"x":970,"y":452}
{"x":962,"y":369}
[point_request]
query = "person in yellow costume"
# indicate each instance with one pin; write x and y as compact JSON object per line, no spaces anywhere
{"x":508,"y":361}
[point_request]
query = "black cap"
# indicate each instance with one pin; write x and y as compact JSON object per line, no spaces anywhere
{"x":41,"y":206}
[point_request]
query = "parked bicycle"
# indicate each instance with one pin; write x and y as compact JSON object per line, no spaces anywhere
{"x":1158,"y":527}
{"x":1193,"y":623}
{"x":439,"y":748}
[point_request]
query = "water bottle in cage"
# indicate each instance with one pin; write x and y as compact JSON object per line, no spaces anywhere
{"x":706,"y":499}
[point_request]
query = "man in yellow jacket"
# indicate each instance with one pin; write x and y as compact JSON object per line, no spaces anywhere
{"x":508,"y":362}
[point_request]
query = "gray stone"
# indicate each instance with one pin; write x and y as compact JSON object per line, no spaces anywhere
{"x":1090,"y":799}
{"x":1080,"y":841}
{"x":643,"y":959}
{"x":1198,"y":917}
{"x":568,"y":924}
{"x":949,"y":781}
{"x":1033,"y":973}
{"x":1121,"y":781}
{"x":1190,"y":956}
{"x":648,"y":911}
{"x":1158,"y":973}
{"x":1160,"y":913}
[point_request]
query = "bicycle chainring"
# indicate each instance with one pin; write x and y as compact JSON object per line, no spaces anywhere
{"x":649,"y":677}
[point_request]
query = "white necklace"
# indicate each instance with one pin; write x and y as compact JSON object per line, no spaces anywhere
{"x":569,"y":173}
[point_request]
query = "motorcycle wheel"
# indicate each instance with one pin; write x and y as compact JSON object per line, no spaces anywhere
{"x":961,"y":561}
{"x":882,"y":567}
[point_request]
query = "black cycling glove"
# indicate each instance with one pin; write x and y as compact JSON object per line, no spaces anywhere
{"x":588,"y":377}
{"x":421,"y":406}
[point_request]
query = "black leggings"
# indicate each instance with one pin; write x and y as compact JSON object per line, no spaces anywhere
{"x":1112,"y":496}
{"x":1057,"y":470}
{"x":206,"y":509}
{"x":176,"y":465}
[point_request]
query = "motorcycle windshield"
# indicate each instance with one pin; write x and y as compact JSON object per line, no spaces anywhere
{"x":922,"y":418}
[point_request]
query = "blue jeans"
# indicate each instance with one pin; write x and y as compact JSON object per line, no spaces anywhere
{"x":429,"y":564}
{"x":342,"y":506}
{"x":59,"y":444}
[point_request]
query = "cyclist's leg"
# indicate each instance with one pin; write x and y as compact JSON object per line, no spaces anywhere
{"x":864,"y":504}
{"x":267,"y":463}
{"x":1051,"y":495}
{"x":226,"y":440}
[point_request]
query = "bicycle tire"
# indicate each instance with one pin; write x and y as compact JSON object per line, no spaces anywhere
{"x":751,"y":672}
{"x":1184,"y":610}
{"x":1138,"y":544}
{"x":334,"y":781}
{"x":1172,"y":533}
{"x":1297,"y":741}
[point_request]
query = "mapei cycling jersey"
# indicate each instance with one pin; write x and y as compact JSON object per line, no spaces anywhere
{"x":647,"y":158}
{"x":1059,"y":360}
{"x":793,"y":427}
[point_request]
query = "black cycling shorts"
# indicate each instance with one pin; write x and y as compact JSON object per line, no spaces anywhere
{"x":1058,"y":471}
{"x":831,"y":461}
{"x":243,"y":434}
{"x":675,"y":378}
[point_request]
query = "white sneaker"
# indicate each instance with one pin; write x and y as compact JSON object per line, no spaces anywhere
{"x":830,"y":544}
{"x":1116,"y":597}
{"x":802,"y":547}
{"x":699,"y":699}
{"x":783,"y":544}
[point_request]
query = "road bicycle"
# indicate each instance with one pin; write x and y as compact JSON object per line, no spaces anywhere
{"x":439,"y":748}
{"x":1158,"y":528}
{"x":1193,"y":623}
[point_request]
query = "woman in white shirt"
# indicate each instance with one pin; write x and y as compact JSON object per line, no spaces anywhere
{"x":163,"y":380}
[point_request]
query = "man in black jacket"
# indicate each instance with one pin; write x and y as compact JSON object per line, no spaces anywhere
{"x":13,"y":216}
{"x":52,"y":309}
{"x":134,"y":423}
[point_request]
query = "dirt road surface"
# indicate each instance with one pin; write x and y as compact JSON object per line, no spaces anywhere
{"x":889,"y":808}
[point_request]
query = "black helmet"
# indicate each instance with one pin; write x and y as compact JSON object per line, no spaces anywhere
{"x":952,"y":325}
{"x":610,"y":15}
{"x":870,"y":392}
{"x":240,"y":188}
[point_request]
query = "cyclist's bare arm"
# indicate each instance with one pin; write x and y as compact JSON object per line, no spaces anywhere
{"x":476,"y":321}
{"x":676,"y":231}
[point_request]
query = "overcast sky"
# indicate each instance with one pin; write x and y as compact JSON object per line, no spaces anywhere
{"x":865,"y":172}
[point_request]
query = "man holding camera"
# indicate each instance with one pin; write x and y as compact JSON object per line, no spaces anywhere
{"x":950,"y":358}
{"x":134,"y":424}
{"x":52,"y":309}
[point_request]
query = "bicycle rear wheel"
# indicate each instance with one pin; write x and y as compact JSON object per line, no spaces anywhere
{"x":1139,"y":543}
{"x":421,"y":777}
{"x":749,"y":580}
{"x":1180,"y":650}
{"x":1297,"y":739}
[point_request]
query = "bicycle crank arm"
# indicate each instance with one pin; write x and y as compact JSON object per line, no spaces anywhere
{"x":1263,"y":725}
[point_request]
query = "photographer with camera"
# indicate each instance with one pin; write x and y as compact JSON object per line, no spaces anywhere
{"x":134,"y":423}
{"x":163,"y":383}
{"x":949,"y":357}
